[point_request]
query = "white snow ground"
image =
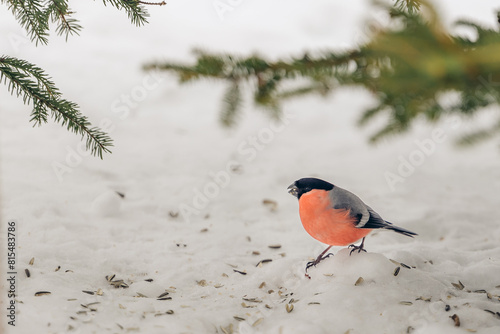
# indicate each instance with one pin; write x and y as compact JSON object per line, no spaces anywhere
{"x":169,"y":148}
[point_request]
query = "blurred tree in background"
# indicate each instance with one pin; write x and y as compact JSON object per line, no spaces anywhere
{"x":408,"y":66}
{"x":28,"y":81}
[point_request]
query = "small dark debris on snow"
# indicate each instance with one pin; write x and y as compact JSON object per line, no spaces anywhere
{"x":58,"y":268}
{"x":405,"y":265}
{"x":163,"y":295}
{"x":396,"y":271}
{"x":88,"y":292}
{"x":122,"y":195}
{"x":32,"y":261}
{"x":149,"y":280}
{"x":447,"y":307}
{"x":173,"y":214}
{"x":28,"y":274}
{"x":275,"y":246}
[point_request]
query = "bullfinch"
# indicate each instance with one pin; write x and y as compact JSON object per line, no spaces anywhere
{"x":336,"y":216}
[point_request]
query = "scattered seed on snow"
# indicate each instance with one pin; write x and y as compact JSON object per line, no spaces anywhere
{"x":149,"y":280}
{"x":480,"y":291}
{"x":263,"y":284}
{"x":458,"y":285}
{"x":395,"y":262}
{"x":164,"y":298}
{"x":218,"y":285}
{"x":68,"y":271}
{"x":202,"y":282}
{"x":239,"y":272}
{"x":277,"y":246}
{"x":28,"y":274}
{"x":57,"y":269}
{"x":247,"y":306}
{"x":253,"y":300}
{"x":140,"y":295}
{"x":261,"y":262}
{"x":170,"y":312}
{"x":42,"y":293}
{"x":289,"y":307}
{"x":359,"y":281}
{"x":405,"y":303}
{"x":447,"y":307}
{"x":268,"y":306}
{"x":203,"y":230}
{"x":32,"y":261}
{"x":396,"y":271}
{"x":405,"y":265}
{"x":456,"y":319}
{"x":271,"y":204}
{"x":255,"y":253}
{"x":238,"y":318}
{"x":88,"y":292}
{"x":313,"y":303}
{"x":257,"y":322}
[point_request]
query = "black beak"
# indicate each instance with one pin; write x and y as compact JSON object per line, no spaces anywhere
{"x":293,"y":190}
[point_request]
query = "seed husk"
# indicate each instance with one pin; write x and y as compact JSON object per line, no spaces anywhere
{"x":42,"y":293}
{"x":170,"y":312}
{"x":140,"y":295}
{"x":396,"y":271}
{"x":257,"y":322}
{"x":405,"y":265}
{"x":99,"y":292}
{"x":149,"y":280}
{"x":405,"y":303}
{"x":32,"y":261}
{"x":458,"y":285}
{"x":480,"y":291}
{"x":247,"y":306}
{"x":239,"y":272}
{"x":261,"y":262}
{"x":289,"y":307}
{"x":425,"y":299}
{"x":263,"y":284}
{"x":359,"y":281}
{"x":237,"y":318}
{"x":271,"y":204}
{"x":268,"y":306}
{"x":202,"y":282}
{"x":313,"y":303}
{"x":163,"y":294}
{"x":88,"y":292}
{"x":456,"y":319}
{"x":253,"y":300}
{"x":110,"y":278}
{"x":28,"y":274}
{"x":164,"y":298}
{"x":277,"y":246}
{"x":57,"y":269}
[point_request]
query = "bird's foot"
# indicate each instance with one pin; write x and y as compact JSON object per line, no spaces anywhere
{"x":318,"y":260}
{"x":358,"y":248}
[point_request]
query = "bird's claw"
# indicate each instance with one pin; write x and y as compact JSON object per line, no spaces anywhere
{"x":318,"y":260}
{"x":358,"y":248}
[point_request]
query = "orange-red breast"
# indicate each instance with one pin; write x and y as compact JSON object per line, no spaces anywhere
{"x":336,"y":216}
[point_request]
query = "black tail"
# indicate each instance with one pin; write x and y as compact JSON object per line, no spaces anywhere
{"x":399,"y":230}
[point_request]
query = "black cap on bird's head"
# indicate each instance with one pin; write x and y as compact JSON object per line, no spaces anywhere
{"x":302,"y":186}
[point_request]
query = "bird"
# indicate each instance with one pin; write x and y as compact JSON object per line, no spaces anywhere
{"x":335,"y":216}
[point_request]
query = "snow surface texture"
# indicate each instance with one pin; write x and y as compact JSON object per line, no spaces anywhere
{"x":171,"y":154}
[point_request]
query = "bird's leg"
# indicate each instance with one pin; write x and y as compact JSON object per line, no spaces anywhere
{"x":319,"y":258}
{"x":359,"y":248}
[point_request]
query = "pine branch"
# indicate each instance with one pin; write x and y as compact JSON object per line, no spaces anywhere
{"x":135,"y":12}
{"x":29,"y":81}
{"x":32,"y":17}
{"x":59,"y":13}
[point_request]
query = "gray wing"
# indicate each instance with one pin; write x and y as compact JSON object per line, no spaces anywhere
{"x":343,"y":199}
